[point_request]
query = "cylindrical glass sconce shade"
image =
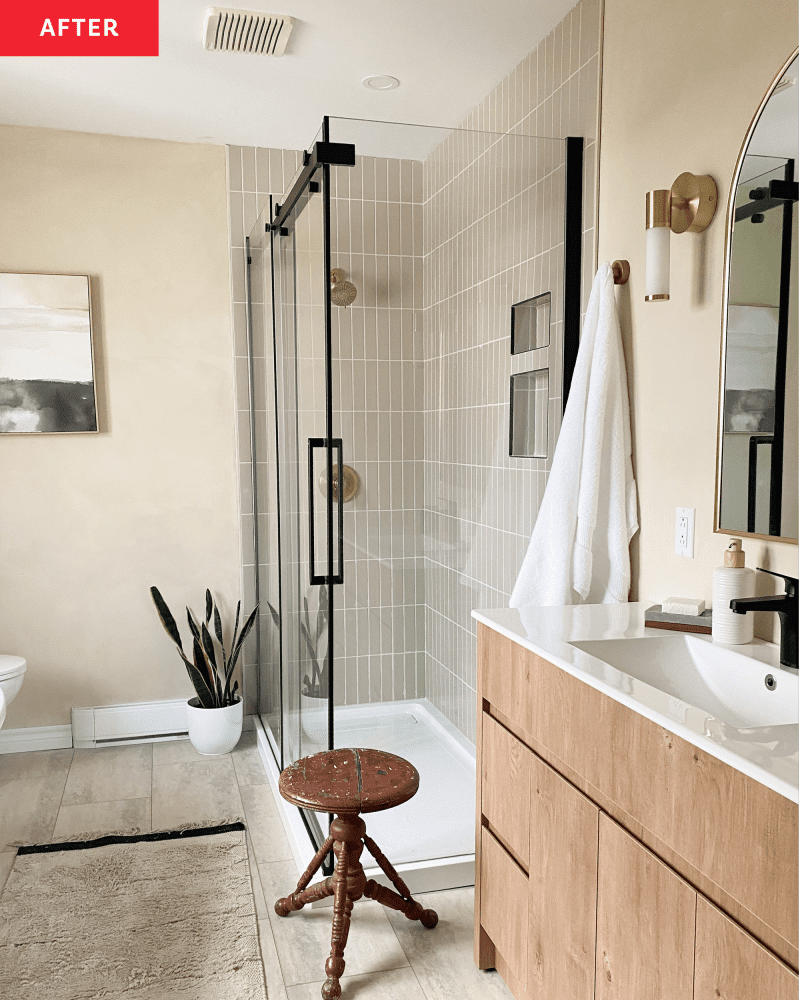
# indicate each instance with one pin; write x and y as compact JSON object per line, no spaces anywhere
{"x":656,"y":282}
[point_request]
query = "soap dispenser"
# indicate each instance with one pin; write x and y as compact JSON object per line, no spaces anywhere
{"x":732,"y":580}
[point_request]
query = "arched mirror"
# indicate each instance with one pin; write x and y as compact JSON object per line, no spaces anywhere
{"x":757,"y":452}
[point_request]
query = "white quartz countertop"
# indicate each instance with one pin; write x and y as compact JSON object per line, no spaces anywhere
{"x":768,"y":754}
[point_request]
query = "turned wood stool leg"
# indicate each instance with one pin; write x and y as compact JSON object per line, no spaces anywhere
{"x":348,"y":836}
{"x":404,"y":902}
{"x":302,"y":895}
{"x":349,"y":884}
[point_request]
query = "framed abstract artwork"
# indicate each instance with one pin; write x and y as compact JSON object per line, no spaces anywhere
{"x":46,"y":361}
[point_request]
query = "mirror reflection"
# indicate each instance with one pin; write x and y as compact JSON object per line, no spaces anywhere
{"x":759,"y":406}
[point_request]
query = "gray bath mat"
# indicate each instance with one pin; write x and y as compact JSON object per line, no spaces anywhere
{"x":154,"y":917}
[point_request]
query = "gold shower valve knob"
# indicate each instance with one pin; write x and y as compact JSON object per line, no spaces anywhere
{"x":351,"y":484}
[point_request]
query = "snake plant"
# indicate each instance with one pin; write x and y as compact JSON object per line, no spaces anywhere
{"x":210,"y":668}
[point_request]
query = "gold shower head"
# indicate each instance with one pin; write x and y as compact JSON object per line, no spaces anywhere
{"x":343,"y":293}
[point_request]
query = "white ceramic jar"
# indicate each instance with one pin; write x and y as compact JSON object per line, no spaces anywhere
{"x":214,"y":730}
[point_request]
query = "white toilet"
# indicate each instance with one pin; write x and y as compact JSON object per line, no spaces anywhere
{"x":12,"y":673}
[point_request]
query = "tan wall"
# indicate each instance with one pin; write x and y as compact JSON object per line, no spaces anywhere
{"x":675,"y":100}
{"x":88,"y":522}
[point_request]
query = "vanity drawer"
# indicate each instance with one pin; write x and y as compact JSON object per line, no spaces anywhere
{"x":506,"y":676}
{"x":504,"y":905}
{"x":506,"y":787}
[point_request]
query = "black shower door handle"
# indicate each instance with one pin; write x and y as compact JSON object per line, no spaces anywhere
{"x":314,"y":577}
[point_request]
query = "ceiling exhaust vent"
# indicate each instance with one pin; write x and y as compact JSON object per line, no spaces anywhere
{"x":246,"y":31}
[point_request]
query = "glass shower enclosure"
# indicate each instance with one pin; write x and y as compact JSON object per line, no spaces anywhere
{"x":354,"y":446}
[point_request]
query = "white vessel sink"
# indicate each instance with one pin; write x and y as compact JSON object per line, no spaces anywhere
{"x":2,"y":708}
{"x":744,"y":689}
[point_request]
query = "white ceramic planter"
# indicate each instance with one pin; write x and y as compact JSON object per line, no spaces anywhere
{"x":214,"y":730}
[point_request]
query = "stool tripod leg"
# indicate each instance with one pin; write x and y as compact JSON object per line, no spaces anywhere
{"x":297,"y":900}
{"x":413,"y":910}
{"x":386,"y":867}
{"x":302,"y":894}
{"x":342,"y":908}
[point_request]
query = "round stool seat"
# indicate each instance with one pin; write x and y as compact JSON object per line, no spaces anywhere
{"x":349,"y":781}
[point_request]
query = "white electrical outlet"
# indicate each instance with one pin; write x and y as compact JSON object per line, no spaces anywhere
{"x":684,"y":532}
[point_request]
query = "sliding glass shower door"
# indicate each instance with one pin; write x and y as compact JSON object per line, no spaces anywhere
{"x":304,"y":453}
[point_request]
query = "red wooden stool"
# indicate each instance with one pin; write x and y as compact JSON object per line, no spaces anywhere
{"x":349,"y":782}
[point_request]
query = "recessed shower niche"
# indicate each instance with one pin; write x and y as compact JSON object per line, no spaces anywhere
{"x":530,"y":324}
{"x":530,"y":394}
{"x":365,"y":625}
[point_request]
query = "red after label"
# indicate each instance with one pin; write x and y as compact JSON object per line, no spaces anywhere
{"x":61,"y":28}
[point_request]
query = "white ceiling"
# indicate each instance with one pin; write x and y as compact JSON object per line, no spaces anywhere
{"x":447,"y":54}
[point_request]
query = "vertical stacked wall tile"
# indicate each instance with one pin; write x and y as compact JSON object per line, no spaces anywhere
{"x":376,"y":240}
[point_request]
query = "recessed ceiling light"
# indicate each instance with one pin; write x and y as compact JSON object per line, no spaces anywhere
{"x":380,"y":82}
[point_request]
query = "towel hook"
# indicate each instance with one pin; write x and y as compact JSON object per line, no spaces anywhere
{"x":621,"y":270}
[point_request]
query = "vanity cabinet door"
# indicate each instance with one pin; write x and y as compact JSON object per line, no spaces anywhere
{"x":562,"y":882}
{"x":731,"y":964}
{"x":645,"y":923}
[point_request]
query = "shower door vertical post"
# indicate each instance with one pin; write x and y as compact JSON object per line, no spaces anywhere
{"x":573,"y":237}
{"x":326,"y":250}
{"x":253,"y":464}
{"x":277,"y":479}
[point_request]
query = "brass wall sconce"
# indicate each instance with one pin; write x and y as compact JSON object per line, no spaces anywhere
{"x":688,"y":206}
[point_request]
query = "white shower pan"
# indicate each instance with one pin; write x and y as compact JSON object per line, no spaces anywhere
{"x":431,"y":838}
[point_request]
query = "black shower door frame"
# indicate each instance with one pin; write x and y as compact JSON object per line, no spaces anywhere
{"x":314,"y":179}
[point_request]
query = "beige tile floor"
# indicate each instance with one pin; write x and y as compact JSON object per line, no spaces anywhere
{"x":64,"y":794}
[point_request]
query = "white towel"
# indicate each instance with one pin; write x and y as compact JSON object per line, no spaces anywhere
{"x":579,"y":547}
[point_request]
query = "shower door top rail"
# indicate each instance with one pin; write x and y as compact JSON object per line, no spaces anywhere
{"x":335,"y":154}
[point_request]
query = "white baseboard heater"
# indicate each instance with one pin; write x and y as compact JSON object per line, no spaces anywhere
{"x":108,"y":725}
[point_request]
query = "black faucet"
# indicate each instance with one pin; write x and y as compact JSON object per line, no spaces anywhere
{"x":785,"y":606}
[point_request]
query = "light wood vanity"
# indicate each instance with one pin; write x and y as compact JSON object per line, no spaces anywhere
{"x":614,"y":859}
